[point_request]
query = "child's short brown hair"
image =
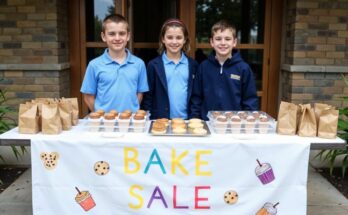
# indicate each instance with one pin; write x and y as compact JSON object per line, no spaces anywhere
{"x":116,"y":18}
{"x":174,"y":23}
{"x":223,"y":25}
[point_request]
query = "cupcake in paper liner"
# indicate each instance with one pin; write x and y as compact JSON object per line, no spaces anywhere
{"x":236,"y":124}
{"x":242,"y":114}
{"x":123,"y":122}
{"x":220,"y":124}
{"x":263,"y":124}
{"x":109,"y":122}
{"x":250,"y":125}
{"x":264,"y":172}
{"x":94,"y":121}
{"x":228,"y":114}
{"x":138,"y":123}
{"x":114,"y":112}
{"x":255,"y":114}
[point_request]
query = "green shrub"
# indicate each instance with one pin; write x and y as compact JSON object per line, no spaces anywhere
{"x":6,"y":123}
{"x":330,"y":156}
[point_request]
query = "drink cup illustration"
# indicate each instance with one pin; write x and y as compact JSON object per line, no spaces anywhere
{"x":268,"y":209}
{"x":264,"y":172}
{"x":84,"y":199}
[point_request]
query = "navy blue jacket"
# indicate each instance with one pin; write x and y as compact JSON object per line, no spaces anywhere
{"x":227,"y":87}
{"x":156,"y":100}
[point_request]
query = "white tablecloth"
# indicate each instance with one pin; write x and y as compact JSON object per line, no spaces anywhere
{"x":167,"y":175}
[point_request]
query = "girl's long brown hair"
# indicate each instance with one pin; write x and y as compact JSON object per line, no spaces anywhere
{"x":174,"y":23}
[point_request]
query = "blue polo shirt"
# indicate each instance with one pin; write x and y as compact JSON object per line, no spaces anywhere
{"x":115,"y":85}
{"x":177,"y":80}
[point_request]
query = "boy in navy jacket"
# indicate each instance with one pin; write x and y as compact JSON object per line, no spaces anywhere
{"x":224,"y":81}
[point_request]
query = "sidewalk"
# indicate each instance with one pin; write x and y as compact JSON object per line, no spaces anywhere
{"x":323,"y":198}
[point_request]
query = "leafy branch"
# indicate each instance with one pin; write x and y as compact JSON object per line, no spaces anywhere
{"x":330,"y":156}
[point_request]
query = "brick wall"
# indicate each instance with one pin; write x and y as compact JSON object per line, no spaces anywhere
{"x":304,"y":87}
{"x":315,"y":51}
{"x":33,"y":49}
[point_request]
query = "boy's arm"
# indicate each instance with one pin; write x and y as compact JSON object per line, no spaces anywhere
{"x":140,"y":97}
{"x":89,"y":100}
{"x":249,"y":94}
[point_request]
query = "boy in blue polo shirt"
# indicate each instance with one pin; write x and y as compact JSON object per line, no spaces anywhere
{"x":116,"y":79}
{"x":224,"y":81}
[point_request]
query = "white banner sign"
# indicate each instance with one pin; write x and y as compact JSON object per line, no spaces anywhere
{"x":102,"y":178}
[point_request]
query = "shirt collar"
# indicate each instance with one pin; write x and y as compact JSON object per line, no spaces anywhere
{"x":166,"y":60}
{"x":108,"y":59}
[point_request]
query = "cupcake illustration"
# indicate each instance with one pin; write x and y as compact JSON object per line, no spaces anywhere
{"x":264,"y":172}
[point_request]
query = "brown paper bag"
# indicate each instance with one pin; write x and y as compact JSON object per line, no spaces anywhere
{"x":308,"y":123}
{"x":75,"y":109}
{"x":287,"y":118}
{"x":39,"y":103}
{"x":318,"y":108}
{"x":328,"y":121}
{"x":28,"y":119}
{"x":65,"y":112}
{"x":51,"y":123}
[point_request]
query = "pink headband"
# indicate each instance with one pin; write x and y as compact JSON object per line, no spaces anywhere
{"x":174,"y":21}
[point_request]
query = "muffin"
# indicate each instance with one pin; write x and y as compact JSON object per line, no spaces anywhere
{"x":158,"y":128}
{"x":138,"y":123}
{"x":220,"y":124}
{"x":114,"y":112}
{"x":178,"y":125}
{"x":228,"y":114}
{"x":129,"y":112}
{"x":178,"y":121}
{"x":165,"y":121}
{"x":94,"y":121}
{"x":141,"y":112}
{"x":123,"y":121}
{"x":199,"y":131}
{"x":193,"y":120}
{"x":194,"y":125}
{"x":179,"y":130}
{"x":242,"y":114}
{"x":256,"y":114}
{"x":100,"y":112}
{"x":215,"y":114}
{"x":109,"y":122}
{"x":236,"y":124}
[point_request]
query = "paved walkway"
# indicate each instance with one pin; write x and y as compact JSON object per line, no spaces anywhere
{"x":323,"y":198}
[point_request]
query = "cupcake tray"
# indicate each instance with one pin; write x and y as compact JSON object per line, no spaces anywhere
{"x":101,"y":126}
{"x":242,"y":127}
{"x":186,"y":134}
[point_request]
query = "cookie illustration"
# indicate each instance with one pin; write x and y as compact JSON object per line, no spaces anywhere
{"x":231,"y":197}
{"x":50,"y":160}
{"x":101,"y":168}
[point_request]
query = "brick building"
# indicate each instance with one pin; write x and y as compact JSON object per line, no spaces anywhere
{"x":298,"y":54}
